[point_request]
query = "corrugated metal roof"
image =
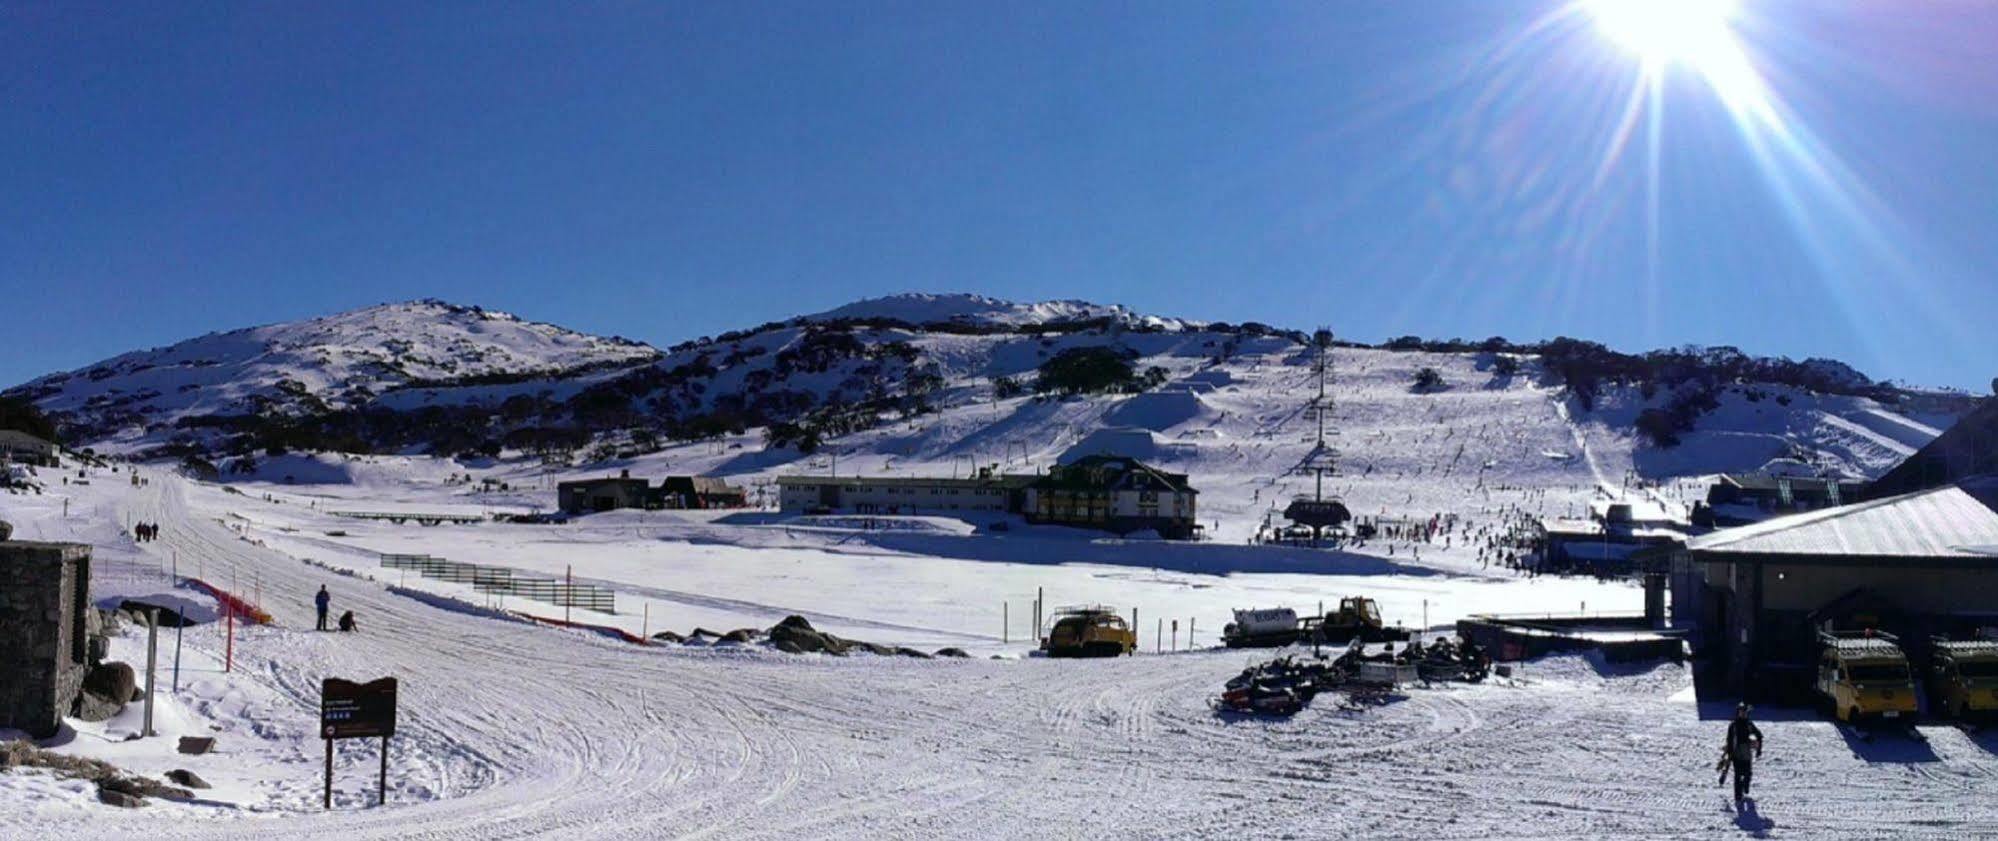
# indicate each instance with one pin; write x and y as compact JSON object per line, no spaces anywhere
{"x":1951,"y":522}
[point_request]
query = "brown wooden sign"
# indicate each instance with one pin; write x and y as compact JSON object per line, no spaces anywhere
{"x":349,"y":710}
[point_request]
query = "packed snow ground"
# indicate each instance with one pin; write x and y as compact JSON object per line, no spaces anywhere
{"x":515,"y":730}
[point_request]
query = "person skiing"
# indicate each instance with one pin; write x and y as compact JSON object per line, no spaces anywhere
{"x":1744,"y":746}
{"x":322,"y":601}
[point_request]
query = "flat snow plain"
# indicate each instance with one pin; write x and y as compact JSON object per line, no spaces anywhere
{"x":515,"y":730}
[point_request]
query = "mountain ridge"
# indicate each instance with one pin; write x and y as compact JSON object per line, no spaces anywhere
{"x":431,"y":376}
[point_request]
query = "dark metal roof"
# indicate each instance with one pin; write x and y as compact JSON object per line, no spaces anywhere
{"x":17,"y":438}
{"x":1969,"y":448}
{"x":1768,"y":482}
{"x":1103,"y":472}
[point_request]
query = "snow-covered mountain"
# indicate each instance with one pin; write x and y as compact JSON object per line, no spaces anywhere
{"x":967,"y":376}
{"x":308,"y":367}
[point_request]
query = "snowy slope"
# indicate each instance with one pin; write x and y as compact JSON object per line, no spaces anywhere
{"x":1232,"y":403}
{"x":1837,"y":435}
{"x":337,"y":361}
{"x":921,"y":308}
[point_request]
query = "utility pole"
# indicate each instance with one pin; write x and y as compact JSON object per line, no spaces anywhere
{"x":152,"y":652}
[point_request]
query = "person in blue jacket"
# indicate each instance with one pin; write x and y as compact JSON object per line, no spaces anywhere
{"x":322,"y":601}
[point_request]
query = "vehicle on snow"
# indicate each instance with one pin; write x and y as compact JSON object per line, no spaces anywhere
{"x":1865,"y":675}
{"x":1963,"y":677}
{"x":1358,"y":618}
{"x":1270,"y":628}
{"x":1094,"y":631}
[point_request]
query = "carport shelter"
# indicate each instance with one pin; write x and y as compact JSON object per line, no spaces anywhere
{"x":1916,"y":564}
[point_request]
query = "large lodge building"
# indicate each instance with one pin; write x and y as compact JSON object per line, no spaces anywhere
{"x":1112,"y":493}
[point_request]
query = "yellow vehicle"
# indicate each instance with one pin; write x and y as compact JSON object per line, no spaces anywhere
{"x":1089,"y":632}
{"x":1865,"y":675}
{"x":1358,"y":617}
{"x":1963,"y":677}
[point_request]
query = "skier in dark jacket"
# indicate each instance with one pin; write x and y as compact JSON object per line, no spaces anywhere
{"x":322,"y":601}
{"x":1744,"y":746}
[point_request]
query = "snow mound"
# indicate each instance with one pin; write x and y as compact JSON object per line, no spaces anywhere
{"x":1129,"y":442}
{"x":1159,"y":411}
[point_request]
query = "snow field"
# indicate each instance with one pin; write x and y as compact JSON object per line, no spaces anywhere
{"x":511,"y":730}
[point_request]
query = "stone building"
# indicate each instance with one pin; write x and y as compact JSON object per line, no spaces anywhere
{"x":1112,"y":493}
{"x":1116,"y":494}
{"x":44,"y":645}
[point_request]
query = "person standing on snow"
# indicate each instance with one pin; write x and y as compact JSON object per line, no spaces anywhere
{"x":1744,"y":746}
{"x":322,"y":601}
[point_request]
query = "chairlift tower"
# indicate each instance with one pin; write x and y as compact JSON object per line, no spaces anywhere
{"x":1323,"y":459}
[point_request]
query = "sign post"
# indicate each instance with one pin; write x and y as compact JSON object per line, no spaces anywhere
{"x":349,"y":710}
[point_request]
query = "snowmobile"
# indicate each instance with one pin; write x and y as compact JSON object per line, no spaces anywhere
{"x":1261,"y":698}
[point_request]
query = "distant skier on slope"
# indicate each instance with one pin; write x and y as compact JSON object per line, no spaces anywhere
{"x":1743,"y":747}
{"x":322,"y":601}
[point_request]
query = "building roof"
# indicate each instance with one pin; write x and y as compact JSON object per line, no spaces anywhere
{"x":1010,"y":480}
{"x":1968,"y":448}
{"x":1104,"y":471}
{"x":1957,"y":521}
{"x":606,"y":480}
{"x":713,"y":485}
{"x":17,"y":438}
{"x":1769,"y":482}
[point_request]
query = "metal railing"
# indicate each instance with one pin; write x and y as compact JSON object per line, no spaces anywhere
{"x":400,"y":517}
{"x":507,"y":581}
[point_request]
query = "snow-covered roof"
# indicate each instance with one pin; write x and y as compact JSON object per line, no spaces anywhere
{"x":1951,"y":522}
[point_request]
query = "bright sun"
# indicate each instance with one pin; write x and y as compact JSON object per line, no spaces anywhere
{"x":1694,"y":33}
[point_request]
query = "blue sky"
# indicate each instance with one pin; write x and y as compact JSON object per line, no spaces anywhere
{"x":668,"y":170}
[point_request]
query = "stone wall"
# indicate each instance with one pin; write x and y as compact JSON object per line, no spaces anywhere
{"x":44,"y":598}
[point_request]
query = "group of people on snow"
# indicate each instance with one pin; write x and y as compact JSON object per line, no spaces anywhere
{"x":324,"y":603}
{"x":146,"y":532}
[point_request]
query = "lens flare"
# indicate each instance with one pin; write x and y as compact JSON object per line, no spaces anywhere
{"x":1692,"y":32}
